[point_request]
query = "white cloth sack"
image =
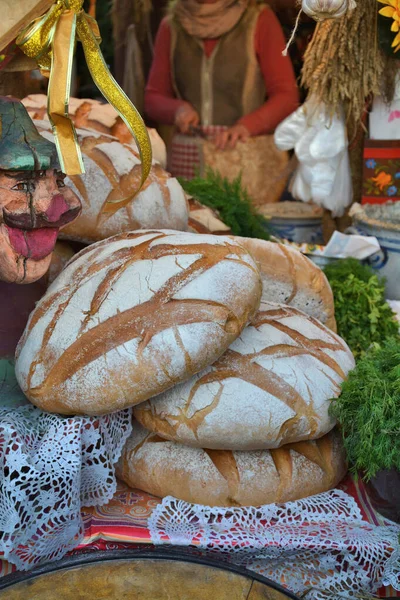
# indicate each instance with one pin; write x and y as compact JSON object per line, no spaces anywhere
{"x":320,"y":144}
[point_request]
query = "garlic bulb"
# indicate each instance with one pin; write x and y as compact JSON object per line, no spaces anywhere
{"x":327,"y":9}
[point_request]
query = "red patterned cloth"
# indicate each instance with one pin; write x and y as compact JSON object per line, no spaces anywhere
{"x":381,"y":176}
{"x":185,"y":157}
{"x":123,"y":522}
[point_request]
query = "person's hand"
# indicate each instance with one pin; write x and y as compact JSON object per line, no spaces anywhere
{"x":185,"y":117}
{"x":230,"y":137}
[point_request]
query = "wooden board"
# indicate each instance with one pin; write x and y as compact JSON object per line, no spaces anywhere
{"x":142,"y":575}
{"x":17,"y":14}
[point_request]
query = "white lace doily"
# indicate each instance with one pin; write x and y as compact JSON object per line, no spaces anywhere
{"x":391,"y":575}
{"x":319,"y":543}
{"x":50,"y":467}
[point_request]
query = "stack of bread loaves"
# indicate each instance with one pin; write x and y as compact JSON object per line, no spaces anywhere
{"x":226,"y":348}
{"x":253,"y":428}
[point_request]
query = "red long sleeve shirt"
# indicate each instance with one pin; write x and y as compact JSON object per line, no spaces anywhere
{"x":282,"y":94}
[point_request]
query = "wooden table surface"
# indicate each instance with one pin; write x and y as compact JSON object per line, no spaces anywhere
{"x":140,"y":575}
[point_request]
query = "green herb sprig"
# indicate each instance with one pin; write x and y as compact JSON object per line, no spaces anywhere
{"x":363,"y":316}
{"x":232,"y":202}
{"x":368,"y":411}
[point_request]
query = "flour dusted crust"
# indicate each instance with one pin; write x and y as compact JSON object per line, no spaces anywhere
{"x":272,"y":387}
{"x":113,"y":173}
{"x":225,"y":478}
{"x":91,"y":114}
{"x":291,"y":278}
{"x":132,"y":316}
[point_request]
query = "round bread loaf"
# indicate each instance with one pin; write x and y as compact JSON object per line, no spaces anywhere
{"x":132,"y":316}
{"x":272,"y":387}
{"x":225,"y":478}
{"x":108,"y":189}
{"x":63,"y":253}
{"x":291,"y":278}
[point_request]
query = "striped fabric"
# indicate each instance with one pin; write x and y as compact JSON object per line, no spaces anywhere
{"x":186,"y":156}
{"x":122,"y":523}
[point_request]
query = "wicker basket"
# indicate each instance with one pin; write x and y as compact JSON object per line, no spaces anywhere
{"x":263,"y":167}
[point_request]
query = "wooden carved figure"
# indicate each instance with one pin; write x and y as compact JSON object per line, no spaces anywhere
{"x":34,"y":202}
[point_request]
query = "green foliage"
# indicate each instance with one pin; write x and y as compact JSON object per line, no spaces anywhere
{"x":369,"y":411}
{"x":363,"y":316}
{"x":232,"y":202}
{"x":349,"y":266}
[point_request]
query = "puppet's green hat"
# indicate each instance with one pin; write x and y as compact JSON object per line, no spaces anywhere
{"x":22,"y":148}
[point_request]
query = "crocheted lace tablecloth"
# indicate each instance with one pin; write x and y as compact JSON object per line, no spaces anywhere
{"x":320,"y":547}
{"x":51,"y":466}
{"x":329,"y":546}
{"x":333,"y":545}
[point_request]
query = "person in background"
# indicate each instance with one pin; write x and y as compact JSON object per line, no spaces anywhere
{"x":218,"y":70}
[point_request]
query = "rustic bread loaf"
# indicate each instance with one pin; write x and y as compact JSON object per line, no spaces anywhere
{"x":291,"y":278}
{"x":84,"y":112}
{"x":113,"y":173}
{"x":99,"y":116}
{"x":62,"y":253}
{"x":203,"y":219}
{"x":272,"y":387}
{"x":132,"y":316}
{"x":225,"y":478}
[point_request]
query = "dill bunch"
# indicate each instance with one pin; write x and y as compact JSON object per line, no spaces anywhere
{"x":232,"y":202}
{"x":368,"y":411}
{"x":363,"y":316}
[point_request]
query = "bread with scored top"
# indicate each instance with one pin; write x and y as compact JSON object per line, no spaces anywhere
{"x":225,"y":478}
{"x":91,"y":114}
{"x":133,"y":315}
{"x":273,"y":386}
{"x":108,"y":191}
{"x":291,"y":278}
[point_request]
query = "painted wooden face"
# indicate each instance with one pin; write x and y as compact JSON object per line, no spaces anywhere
{"x":34,"y":205}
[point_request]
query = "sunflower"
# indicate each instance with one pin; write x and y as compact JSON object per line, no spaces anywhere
{"x":392,"y":10}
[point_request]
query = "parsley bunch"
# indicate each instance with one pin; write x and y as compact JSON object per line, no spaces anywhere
{"x":363,"y":316}
{"x":232,"y":202}
{"x":368,"y":411}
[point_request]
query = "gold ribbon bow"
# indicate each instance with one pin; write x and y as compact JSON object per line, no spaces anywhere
{"x":50,"y":40}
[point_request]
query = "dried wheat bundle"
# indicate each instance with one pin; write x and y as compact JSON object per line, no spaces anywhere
{"x":344,"y":64}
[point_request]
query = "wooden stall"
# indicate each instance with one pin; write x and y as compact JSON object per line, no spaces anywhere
{"x":17,"y":15}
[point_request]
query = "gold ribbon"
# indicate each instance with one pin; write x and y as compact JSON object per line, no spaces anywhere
{"x":50,"y":40}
